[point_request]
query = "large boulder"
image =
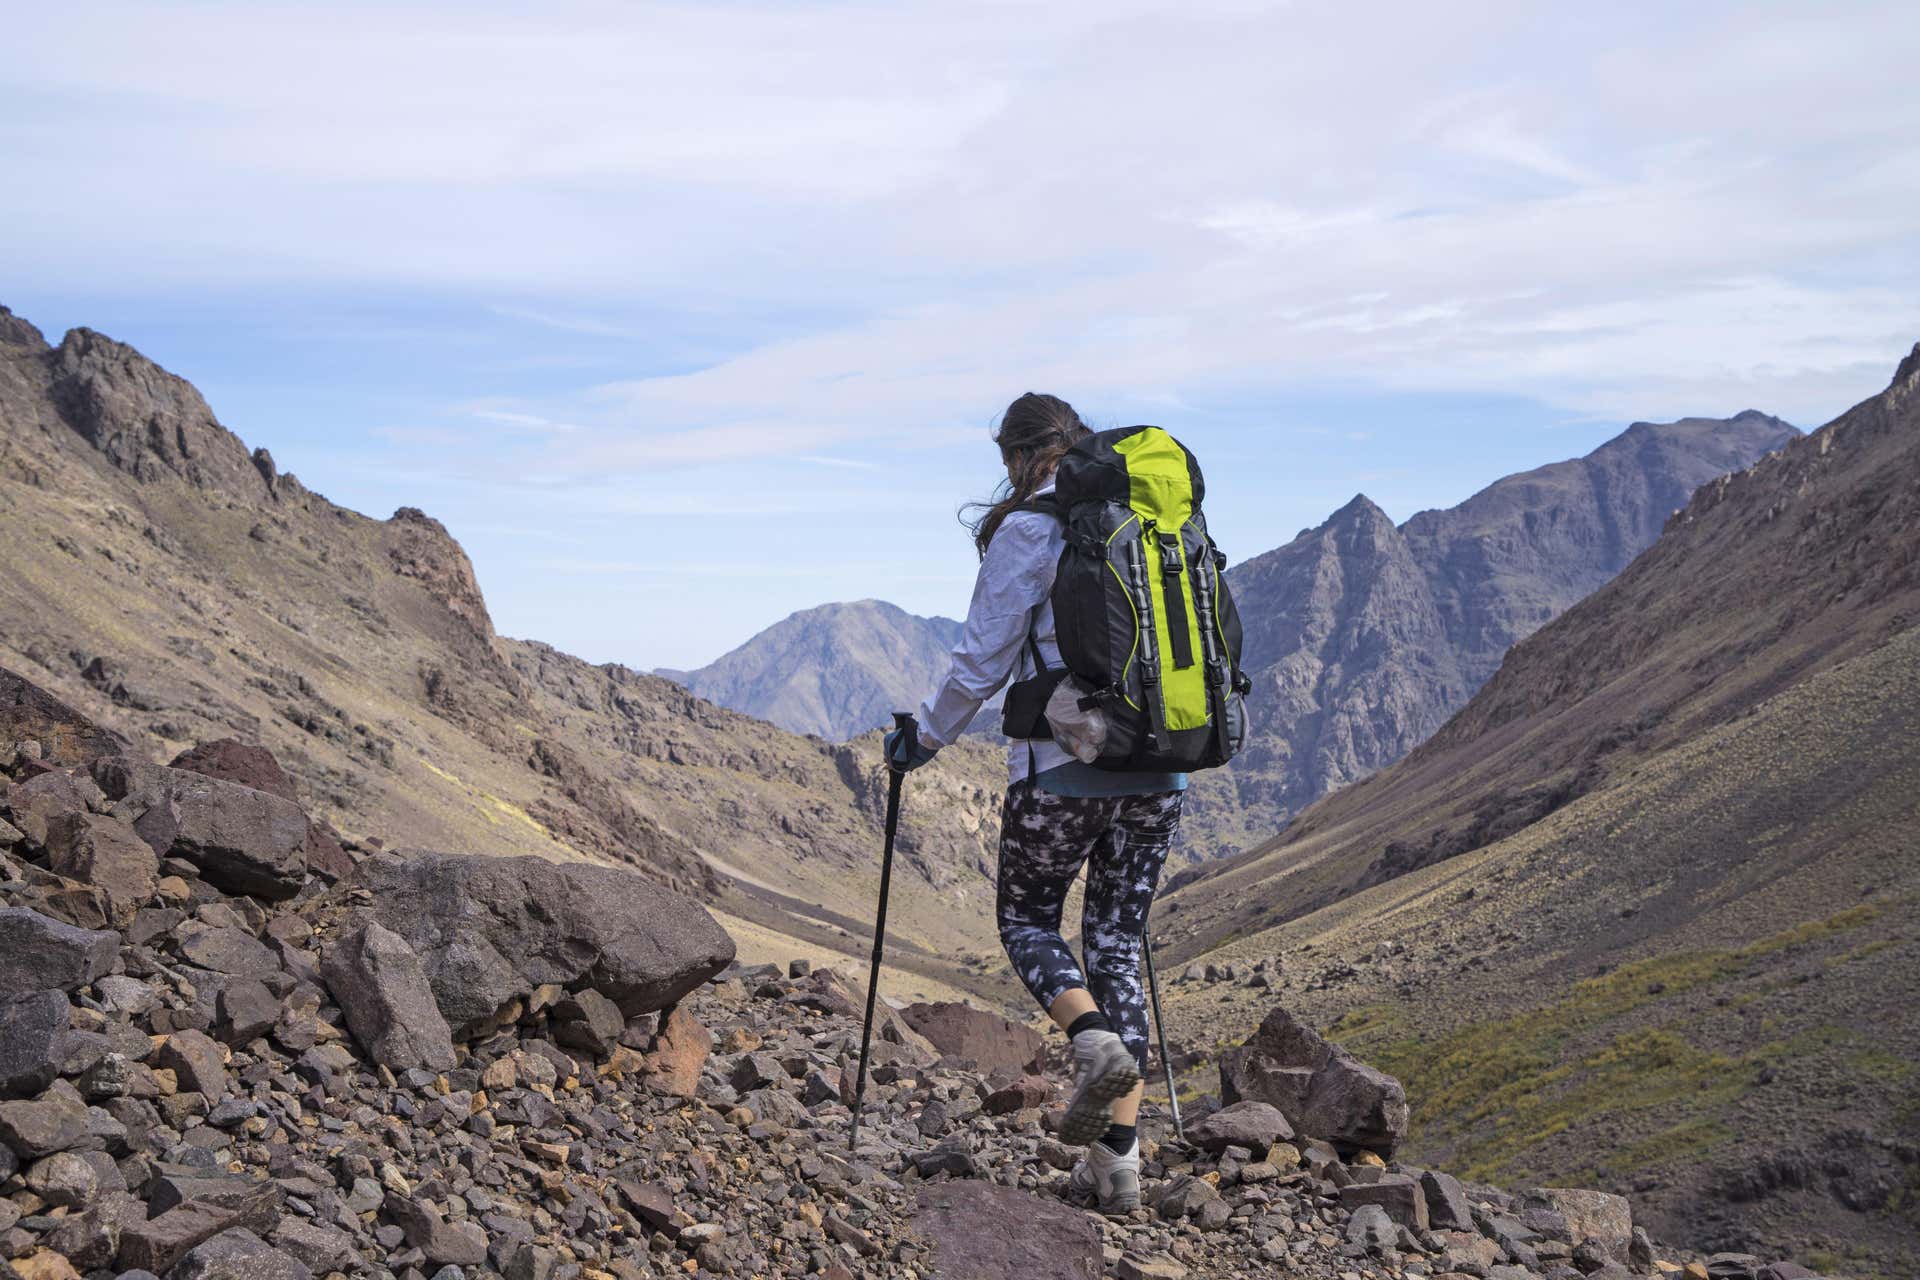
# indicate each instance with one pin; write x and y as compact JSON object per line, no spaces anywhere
{"x":380,"y":984}
{"x":979,"y":1231}
{"x":992,"y":1042}
{"x":252,"y":765}
{"x":108,"y":854}
{"x":1321,"y":1088}
{"x":38,"y":952}
{"x":490,"y":930}
{"x":242,"y":840}
{"x":29,"y":713}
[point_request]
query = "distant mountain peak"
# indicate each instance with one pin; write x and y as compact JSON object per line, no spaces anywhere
{"x":835,"y":670}
{"x":1363,"y":637}
{"x":1359,"y":507}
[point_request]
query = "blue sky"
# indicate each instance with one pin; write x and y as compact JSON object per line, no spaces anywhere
{"x":683,"y":317}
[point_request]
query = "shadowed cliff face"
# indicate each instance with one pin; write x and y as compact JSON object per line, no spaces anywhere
{"x":1363,"y":638}
{"x":171,"y":584}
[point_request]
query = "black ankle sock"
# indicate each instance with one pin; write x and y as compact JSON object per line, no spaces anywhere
{"x":1119,"y":1139}
{"x":1091,"y":1021}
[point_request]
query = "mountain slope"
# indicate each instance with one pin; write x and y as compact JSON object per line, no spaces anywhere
{"x":170,"y":584}
{"x":1363,"y":638}
{"x":1642,"y":911}
{"x":835,"y":671}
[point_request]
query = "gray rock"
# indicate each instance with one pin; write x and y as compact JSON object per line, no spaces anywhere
{"x":242,"y":840}
{"x":65,"y":1179}
{"x":991,"y":1042}
{"x":90,"y":1239}
{"x":32,"y":1026}
{"x":320,"y":1248}
{"x":1597,"y":1216}
{"x":462,"y":1244}
{"x":256,"y":1203}
{"x":238,"y":1254}
{"x":226,"y":950}
{"x":1256,"y":1126}
{"x":1182,"y":1196}
{"x":950,"y":1157}
{"x":1371,"y":1228}
{"x":197,"y":1060}
{"x":54,"y":1121}
{"x":121,"y":994}
{"x":756,"y":1071}
{"x":1447,"y":1207}
{"x":490,"y":930}
{"x":108,"y":854}
{"x":589,"y":1021}
{"x":1640,"y":1255}
{"x":531,"y":1262}
{"x":979,"y":1231}
{"x":38,"y":952}
{"x":39,"y":803}
{"x":1321,"y":1088}
{"x":247,"y":1010}
{"x":1400,"y":1197}
{"x":382,"y":987}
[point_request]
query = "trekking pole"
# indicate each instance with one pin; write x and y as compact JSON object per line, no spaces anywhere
{"x":1160,"y":1026}
{"x":909,"y":737}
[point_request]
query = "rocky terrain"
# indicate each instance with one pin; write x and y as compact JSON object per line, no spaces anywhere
{"x":835,"y":671}
{"x":1362,"y":638}
{"x":178,"y":588}
{"x":1641,"y":913}
{"x":232,"y":1051}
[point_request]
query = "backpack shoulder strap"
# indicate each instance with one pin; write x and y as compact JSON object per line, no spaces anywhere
{"x":1044,"y":504}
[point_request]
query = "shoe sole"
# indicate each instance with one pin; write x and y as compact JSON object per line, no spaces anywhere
{"x":1091,"y":1112}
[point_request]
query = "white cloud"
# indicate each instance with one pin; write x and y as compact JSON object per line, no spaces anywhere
{"x":1665,"y":207}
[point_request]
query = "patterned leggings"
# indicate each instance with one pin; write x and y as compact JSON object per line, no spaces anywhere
{"x":1044,"y":838}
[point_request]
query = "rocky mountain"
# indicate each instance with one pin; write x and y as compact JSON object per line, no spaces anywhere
{"x":176,"y":587}
{"x":1640,"y":913}
{"x":223,"y":1060}
{"x":835,"y":671}
{"x":1362,"y":637}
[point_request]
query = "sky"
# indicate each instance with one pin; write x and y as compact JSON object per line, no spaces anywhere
{"x":684,"y":317}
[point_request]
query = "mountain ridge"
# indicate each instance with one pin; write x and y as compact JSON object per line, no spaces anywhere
{"x":1363,"y":636}
{"x":1651,"y":888}
{"x":177,"y":586}
{"x":835,"y":670}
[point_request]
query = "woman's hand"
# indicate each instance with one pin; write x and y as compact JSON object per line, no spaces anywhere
{"x":899,"y":758}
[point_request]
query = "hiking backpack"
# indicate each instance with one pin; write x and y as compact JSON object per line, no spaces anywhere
{"x":1147,"y":628}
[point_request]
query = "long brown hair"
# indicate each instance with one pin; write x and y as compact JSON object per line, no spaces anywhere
{"x":1034,"y":434}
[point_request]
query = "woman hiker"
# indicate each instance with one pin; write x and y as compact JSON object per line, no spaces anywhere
{"x":1060,"y":813}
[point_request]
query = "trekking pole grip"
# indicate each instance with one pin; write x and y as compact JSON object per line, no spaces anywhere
{"x":909,"y":730}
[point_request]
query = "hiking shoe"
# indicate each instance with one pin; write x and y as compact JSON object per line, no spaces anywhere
{"x":1104,"y":1070}
{"x":1107,"y":1181}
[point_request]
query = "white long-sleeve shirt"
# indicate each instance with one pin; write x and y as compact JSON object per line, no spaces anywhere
{"x":1012,"y":594}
